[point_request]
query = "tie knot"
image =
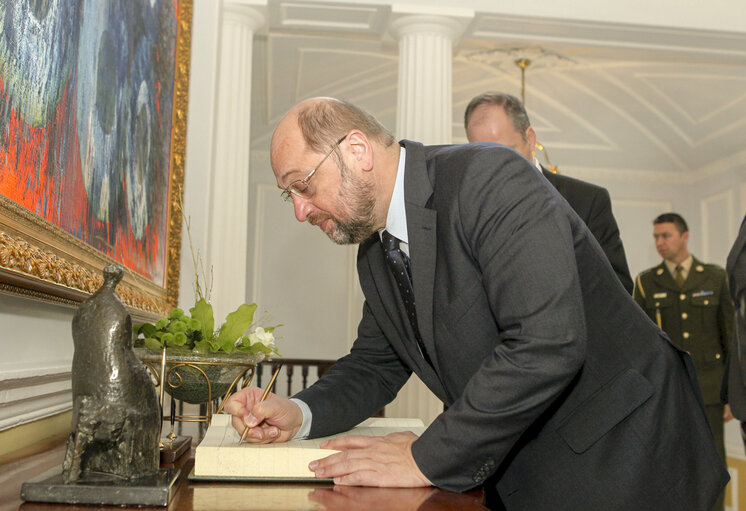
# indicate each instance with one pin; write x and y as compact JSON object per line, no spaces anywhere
{"x":389,"y":242}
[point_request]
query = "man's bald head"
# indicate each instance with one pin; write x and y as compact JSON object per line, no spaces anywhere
{"x":320,"y":122}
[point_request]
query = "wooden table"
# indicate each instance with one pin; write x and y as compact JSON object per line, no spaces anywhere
{"x":214,"y":496}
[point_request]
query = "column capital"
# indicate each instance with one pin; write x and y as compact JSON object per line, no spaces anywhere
{"x":252,"y":13}
{"x":445,"y":21}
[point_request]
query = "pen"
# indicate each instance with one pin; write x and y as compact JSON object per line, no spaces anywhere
{"x":172,"y":435}
{"x":264,"y":396}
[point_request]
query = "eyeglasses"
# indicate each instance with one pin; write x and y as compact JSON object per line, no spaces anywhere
{"x":300,"y":187}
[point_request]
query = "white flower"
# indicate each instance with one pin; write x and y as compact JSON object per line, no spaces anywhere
{"x":261,"y":336}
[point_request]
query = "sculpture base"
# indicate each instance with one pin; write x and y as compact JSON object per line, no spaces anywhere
{"x":103,"y":489}
{"x":173,"y":448}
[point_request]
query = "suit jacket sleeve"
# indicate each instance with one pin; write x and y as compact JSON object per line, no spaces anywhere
{"x":518,"y":235}
{"x":603,"y":225}
{"x":357,"y":385}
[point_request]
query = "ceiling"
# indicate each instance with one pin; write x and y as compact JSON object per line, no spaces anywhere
{"x":620,"y":100}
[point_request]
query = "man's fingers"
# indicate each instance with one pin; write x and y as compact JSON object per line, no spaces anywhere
{"x":262,"y":434}
{"x":348,"y":442}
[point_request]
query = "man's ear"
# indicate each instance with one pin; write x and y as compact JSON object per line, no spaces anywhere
{"x":531,"y":138}
{"x":361,"y":150}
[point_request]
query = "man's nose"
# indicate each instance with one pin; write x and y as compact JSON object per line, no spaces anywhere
{"x":302,"y":208}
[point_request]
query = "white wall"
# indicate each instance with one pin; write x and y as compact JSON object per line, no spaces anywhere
{"x":37,"y":347}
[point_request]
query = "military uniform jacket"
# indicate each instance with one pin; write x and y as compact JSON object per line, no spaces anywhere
{"x":698,"y":317}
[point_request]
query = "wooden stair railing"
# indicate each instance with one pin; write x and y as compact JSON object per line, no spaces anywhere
{"x":265,"y":370}
{"x":290,"y":366}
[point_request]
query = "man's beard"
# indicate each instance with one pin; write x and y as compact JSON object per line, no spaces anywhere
{"x":357,"y":200}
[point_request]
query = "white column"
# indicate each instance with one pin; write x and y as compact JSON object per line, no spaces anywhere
{"x":227,"y":227}
{"x":424,"y":102}
{"x":424,"y":114}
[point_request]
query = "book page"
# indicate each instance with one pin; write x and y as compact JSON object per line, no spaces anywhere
{"x":221,"y":454}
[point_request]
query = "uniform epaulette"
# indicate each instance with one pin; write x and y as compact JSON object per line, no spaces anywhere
{"x":713,"y":266}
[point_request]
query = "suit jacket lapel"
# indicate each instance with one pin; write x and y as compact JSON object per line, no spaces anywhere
{"x":386,"y":287}
{"x":421,"y":228}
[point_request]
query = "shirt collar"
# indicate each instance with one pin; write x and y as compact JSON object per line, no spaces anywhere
{"x":686,"y":264}
{"x":396,"y":218}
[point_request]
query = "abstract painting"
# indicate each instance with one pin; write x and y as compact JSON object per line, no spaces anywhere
{"x":88,"y":93}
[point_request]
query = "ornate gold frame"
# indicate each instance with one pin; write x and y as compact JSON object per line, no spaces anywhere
{"x":41,"y":261}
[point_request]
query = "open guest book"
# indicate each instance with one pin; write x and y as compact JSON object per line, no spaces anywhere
{"x":220,"y":455}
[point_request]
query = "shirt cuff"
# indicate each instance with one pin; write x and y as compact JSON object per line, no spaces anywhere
{"x":305,"y":427}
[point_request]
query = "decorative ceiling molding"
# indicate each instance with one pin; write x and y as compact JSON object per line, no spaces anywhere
{"x":693,"y":43}
{"x":359,"y":18}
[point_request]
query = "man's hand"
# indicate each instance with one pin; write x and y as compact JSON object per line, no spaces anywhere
{"x":276,"y":419}
{"x":371,"y":461}
{"x":727,"y":414}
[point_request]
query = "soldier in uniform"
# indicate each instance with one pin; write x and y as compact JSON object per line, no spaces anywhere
{"x":689,"y":300}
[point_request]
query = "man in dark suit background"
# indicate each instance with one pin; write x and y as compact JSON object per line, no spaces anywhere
{"x":735,"y":382}
{"x":501,"y":118}
{"x":559,"y":392}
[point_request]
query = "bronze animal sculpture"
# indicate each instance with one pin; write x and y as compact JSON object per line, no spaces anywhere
{"x":116,"y":414}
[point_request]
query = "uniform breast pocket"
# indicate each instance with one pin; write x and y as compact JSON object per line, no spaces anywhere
{"x":705,"y":300}
{"x":660,"y":301}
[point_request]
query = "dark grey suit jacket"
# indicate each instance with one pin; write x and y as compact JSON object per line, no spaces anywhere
{"x":736,"y":382}
{"x":560,"y":392}
{"x":592,"y":203}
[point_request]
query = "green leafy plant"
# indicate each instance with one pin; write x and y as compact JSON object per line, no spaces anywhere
{"x":196,"y":331}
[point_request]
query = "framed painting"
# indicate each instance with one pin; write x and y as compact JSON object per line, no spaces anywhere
{"x":93,"y":102}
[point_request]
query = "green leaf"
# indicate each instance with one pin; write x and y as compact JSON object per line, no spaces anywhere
{"x":153,"y":343}
{"x":146,"y":329}
{"x":202,"y":346}
{"x":202,"y":311}
{"x":236,"y":323}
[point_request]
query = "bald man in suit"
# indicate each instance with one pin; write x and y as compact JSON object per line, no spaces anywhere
{"x":501,"y":118}
{"x":559,"y":392}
